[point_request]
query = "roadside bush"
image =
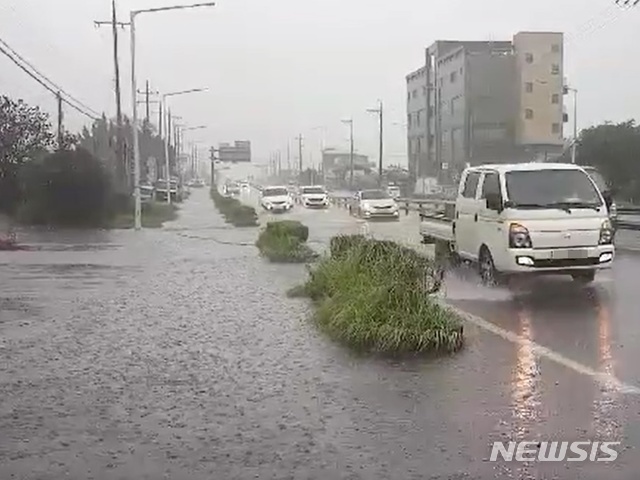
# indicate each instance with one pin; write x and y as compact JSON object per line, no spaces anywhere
{"x":234,"y":211}
{"x":68,"y":188}
{"x":285,"y":242}
{"x":376,"y":296}
{"x":154,"y":215}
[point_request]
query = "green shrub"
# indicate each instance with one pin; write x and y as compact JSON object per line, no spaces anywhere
{"x":68,"y":188}
{"x":233,"y":210}
{"x":284,"y":242}
{"x":289,"y":228}
{"x":376,"y":296}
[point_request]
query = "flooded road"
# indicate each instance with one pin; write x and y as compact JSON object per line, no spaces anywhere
{"x":175,"y":354}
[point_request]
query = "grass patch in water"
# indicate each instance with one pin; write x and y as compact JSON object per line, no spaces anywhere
{"x":285,"y":242}
{"x":377,"y":296}
{"x":154,"y":215}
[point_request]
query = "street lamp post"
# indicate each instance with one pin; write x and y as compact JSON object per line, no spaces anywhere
{"x":134,"y":92}
{"x":380,"y":138}
{"x":350,"y":123}
{"x":323,"y":133}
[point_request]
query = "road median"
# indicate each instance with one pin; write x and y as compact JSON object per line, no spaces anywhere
{"x":234,"y":211}
{"x":376,"y":296}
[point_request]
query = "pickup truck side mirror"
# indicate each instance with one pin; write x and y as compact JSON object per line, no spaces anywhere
{"x":494,"y":202}
{"x":607,"y":195}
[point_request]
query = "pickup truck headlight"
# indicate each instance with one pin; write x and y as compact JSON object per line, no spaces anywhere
{"x":519,"y":236}
{"x":606,"y":233}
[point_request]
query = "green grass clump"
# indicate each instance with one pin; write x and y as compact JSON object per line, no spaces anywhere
{"x":234,"y":212}
{"x":154,"y":214}
{"x":285,"y":242}
{"x":375,"y":296}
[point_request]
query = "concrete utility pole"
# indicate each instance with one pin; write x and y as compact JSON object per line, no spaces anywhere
{"x":121,"y":172}
{"x":134,"y":92}
{"x":147,"y":99}
{"x":350,"y":123}
{"x":299,"y":138}
{"x":288,"y":156}
{"x":380,"y":138}
{"x":60,"y":121}
{"x":575,"y":125}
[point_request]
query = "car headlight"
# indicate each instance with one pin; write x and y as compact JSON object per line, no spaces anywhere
{"x":366,"y":207}
{"x":606,"y":233}
{"x":519,"y":236}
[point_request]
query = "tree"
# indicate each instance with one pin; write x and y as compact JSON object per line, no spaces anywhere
{"x":66,"y":188}
{"x":25,"y":133}
{"x":614,"y":149}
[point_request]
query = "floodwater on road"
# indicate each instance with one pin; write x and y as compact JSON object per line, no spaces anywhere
{"x":176,"y":354}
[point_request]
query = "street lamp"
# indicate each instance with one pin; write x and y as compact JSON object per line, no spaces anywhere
{"x":575,"y":122}
{"x":379,"y":112}
{"x":134,"y":92}
{"x":166,"y":145}
{"x":350,"y":123}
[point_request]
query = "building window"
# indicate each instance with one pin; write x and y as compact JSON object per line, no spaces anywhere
{"x":414,"y":94}
{"x":528,"y":87}
{"x":409,"y":120}
{"x":418,"y":115}
{"x":555,"y":69}
{"x":408,"y":96}
{"x":418,"y":145}
{"x":453,"y":76}
{"x":461,"y":70}
{"x":528,"y":57}
{"x":555,"y":128}
{"x":555,"y":99}
{"x":528,"y":114}
{"x":555,"y":48}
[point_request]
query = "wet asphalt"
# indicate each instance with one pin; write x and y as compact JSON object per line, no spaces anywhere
{"x":176,"y":354}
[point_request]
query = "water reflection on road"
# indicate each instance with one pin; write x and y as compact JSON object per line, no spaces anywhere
{"x":174,"y":353}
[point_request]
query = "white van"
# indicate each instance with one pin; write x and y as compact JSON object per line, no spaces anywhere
{"x":528,"y":218}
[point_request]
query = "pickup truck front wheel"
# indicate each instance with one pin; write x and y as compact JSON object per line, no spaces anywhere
{"x":486,"y":268}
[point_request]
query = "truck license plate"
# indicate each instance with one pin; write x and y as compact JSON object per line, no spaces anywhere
{"x":564,"y":254}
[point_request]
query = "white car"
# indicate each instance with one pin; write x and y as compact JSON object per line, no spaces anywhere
{"x":374,"y":204}
{"x":276,"y":199}
{"x":393,"y":191}
{"x":314,"y":197}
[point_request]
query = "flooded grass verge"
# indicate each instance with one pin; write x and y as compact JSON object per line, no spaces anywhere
{"x":285,"y":242}
{"x":154,"y":215}
{"x":376,"y":296}
{"x":234,"y":211}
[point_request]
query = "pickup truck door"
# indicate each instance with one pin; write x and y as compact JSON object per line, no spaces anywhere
{"x":466,"y":216}
{"x":489,"y":227}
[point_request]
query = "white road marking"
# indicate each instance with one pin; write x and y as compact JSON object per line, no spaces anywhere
{"x":544,"y":352}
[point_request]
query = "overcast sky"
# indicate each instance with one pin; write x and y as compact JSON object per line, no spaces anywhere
{"x":277,"y":68}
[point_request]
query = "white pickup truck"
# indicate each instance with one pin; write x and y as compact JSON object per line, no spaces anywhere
{"x":523,"y":219}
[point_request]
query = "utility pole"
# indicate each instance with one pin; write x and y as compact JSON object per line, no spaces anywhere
{"x":379,"y":112}
{"x":575,"y":125}
{"x":279,"y":163}
{"x":60,"y":120}
{"x":350,"y":123}
{"x":288,"y":156}
{"x":212,"y":157}
{"x":146,"y":92}
{"x":121,"y":171}
{"x":300,"y":153}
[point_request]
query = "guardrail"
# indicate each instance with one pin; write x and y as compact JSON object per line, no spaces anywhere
{"x":440,"y":208}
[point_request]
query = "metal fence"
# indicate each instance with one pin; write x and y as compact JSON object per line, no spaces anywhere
{"x":628,"y":217}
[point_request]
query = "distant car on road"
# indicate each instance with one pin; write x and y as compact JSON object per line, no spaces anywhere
{"x":393,"y":191}
{"x":374,"y":204}
{"x":314,"y":196}
{"x":232,"y":189}
{"x":276,"y":199}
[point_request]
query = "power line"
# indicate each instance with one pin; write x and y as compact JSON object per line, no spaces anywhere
{"x":20,"y":61}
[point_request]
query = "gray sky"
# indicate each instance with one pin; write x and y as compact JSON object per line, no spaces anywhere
{"x":277,"y":68}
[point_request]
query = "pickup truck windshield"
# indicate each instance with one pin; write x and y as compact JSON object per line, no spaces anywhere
{"x":374,"y":195}
{"x":275,"y":192}
{"x":549,"y":188}
{"x":313,"y":190}
{"x":597,"y":178}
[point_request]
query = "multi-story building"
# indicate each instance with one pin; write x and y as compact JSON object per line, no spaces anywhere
{"x":539,"y":59}
{"x":478,"y":104}
{"x":417,"y":121}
